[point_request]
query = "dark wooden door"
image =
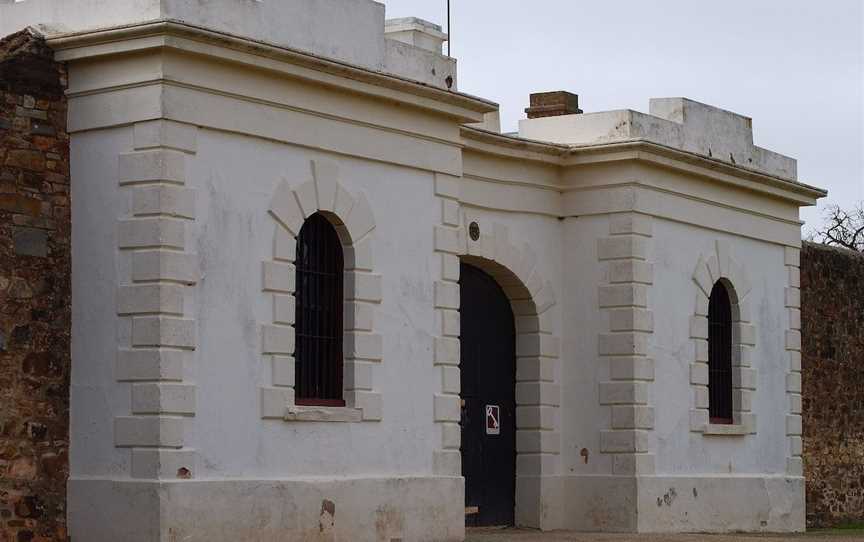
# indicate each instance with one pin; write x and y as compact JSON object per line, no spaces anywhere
{"x":488,"y":369}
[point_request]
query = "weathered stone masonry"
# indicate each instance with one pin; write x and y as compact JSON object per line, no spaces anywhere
{"x":832,"y":317}
{"x":34,"y":292}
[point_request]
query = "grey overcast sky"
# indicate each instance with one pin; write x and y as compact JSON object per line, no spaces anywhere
{"x":796,"y":67}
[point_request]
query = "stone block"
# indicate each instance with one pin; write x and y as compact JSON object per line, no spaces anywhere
{"x":359,"y":316}
{"x":537,"y":344}
{"x":163,"y":464}
{"x":698,"y":327}
{"x":451,"y":436}
{"x":793,"y":298}
{"x":163,"y":199}
{"x":30,"y":242}
{"x":623,"y":344}
{"x":792,"y":256}
{"x":166,"y":133}
{"x":624,"y":393}
{"x":450,"y":212}
{"x":285,"y":310}
{"x":631,"y":319}
{"x":450,"y":379}
{"x":623,"y":295}
{"x":360,"y":255}
{"x":307,"y":198}
{"x":794,"y":425}
{"x":148,"y":431}
{"x":631,"y":271}
{"x":151,"y":233}
{"x":446,"y":351}
{"x":449,"y":240}
{"x":535,"y":369}
{"x":794,"y":319}
{"x":632,"y":417}
{"x":538,"y":393}
{"x":149,"y":364}
{"x":284,"y":371}
{"x":360,"y":220}
{"x":344,"y":203}
{"x":744,"y":334}
{"x":699,"y":374}
{"x":363,"y":287}
{"x":699,"y":420}
{"x":275,"y":402}
{"x":627,"y":223}
{"x":361,"y":345}
{"x":447,"y":408}
{"x":326,"y":174}
{"x":450,"y":323}
{"x":163,"y":331}
{"x":622,"y":247}
{"x":150,"y":299}
{"x":742,"y":400}
{"x":700,"y":397}
{"x":536,"y":417}
{"x":447,"y":463}
{"x":795,"y":403}
{"x":279,"y":277}
{"x":277,"y":340}
{"x":631,"y":368}
{"x":286,"y":210}
{"x":533,"y":442}
{"x":793,"y":382}
{"x":163,"y":398}
{"x":446,"y":295}
{"x":446,"y":186}
{"x":161,"y":165}
{"x":284,"y":245}
{"x":793,"y":339}
{"x":744,"y":378}
{"x":370,"y":403}
{"x":702,"y":278}
{"x":794,"y":277}
{"x":164,"y":265}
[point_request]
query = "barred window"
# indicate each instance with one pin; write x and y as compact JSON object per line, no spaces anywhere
{"x":318,"y":319}
{"x":720,"y":355}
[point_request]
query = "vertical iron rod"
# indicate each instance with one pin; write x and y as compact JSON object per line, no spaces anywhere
{"x":449,"y":30}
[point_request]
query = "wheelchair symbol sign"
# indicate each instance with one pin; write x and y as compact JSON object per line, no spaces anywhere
{"x":493,"y":420}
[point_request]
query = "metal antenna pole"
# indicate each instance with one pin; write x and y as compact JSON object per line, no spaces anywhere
{"x":449,"y":30}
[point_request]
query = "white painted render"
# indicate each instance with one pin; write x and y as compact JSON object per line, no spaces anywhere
{"x":192,"y":170}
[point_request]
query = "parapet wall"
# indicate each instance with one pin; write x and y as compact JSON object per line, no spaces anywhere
{"x":673,"y":122}
{"x":350,"y":31}
{"x":832,"y":317}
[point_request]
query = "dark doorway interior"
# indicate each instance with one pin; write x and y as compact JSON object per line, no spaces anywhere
{"x":488,"y":369}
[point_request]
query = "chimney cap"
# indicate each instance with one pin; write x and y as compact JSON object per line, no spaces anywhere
{"x":553,"y":104}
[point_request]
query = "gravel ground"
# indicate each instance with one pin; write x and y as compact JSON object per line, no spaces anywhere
{"x":518,"y":535}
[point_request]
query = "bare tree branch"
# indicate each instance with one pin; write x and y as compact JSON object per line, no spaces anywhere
{"x":842,"y":228}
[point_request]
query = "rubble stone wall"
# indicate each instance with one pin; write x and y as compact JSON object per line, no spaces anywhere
{"x":832,"y":314}
{"x":34,"y":292}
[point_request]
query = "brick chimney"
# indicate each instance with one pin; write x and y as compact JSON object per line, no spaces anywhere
{"x":553,"y":104}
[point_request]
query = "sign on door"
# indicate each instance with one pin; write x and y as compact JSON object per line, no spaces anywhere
{"x":493,"y":420}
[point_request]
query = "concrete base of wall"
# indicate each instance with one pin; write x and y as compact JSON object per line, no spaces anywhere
{"x":664,"y":504}
{"x":720,"y":503}
{"x":346,"y":509}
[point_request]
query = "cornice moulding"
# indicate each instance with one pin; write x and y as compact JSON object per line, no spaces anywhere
{"x":193,"y":39}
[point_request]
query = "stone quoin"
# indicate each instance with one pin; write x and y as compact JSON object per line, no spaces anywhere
{"x":271,"y":205}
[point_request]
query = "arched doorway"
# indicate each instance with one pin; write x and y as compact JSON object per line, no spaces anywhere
{"x":488,"y":377}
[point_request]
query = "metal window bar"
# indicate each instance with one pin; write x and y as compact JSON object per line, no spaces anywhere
{"x":720,"y":356}
{"x":318,"y":318}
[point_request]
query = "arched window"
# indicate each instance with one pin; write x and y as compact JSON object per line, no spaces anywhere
{"x":720,"y":355}
{"x":318,"y":319}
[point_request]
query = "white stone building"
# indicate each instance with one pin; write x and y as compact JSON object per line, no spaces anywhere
{"x":204,"y":136}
